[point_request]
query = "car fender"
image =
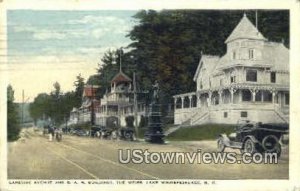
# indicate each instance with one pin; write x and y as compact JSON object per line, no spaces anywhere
{"x":225,"y":138}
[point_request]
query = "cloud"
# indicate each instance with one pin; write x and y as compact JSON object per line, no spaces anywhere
{"x":94,"y":26}
{"x":39,"y":33}
{"x":101,"y":26}
{"x":45,"y":35}
{"x":91,"y":19}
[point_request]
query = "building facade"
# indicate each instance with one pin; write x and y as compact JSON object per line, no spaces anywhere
{"x":251,"y":82}
{"x":118,"y":104}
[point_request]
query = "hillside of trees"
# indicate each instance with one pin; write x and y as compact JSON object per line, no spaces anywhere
{"x":167,"y":46}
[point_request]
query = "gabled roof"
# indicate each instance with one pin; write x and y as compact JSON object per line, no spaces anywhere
{"x":245,"y":30}
{"x":207,"y":61}
{"x":277,"y":55}
{"x":121,"y":77}
{"x":89,"y":91}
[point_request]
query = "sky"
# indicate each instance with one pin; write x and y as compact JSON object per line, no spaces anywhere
{"x":48,"y":46}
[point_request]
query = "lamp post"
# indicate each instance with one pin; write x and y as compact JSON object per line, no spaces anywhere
{"x":135,"y":98}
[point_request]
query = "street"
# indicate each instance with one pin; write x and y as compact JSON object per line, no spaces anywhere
{"x":34,"y":157}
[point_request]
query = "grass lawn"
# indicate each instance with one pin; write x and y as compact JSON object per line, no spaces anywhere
{"x":201,"y":132}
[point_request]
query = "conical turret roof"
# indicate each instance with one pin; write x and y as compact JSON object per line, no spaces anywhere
{"x":245,"y":30}
{"x":121,"y":77}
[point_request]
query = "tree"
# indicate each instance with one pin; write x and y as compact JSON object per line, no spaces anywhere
{"x":39,"y":108}
{"x":79,"y":86}
{"x":13,"y":127}
{"x":108,"y":68}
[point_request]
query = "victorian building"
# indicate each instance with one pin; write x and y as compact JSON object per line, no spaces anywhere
{"x":89,"y":104}
{"x":118,"y":104}
{"x":251,"y":82}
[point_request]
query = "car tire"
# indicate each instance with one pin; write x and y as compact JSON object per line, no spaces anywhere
{"x":128,"y":136}
{"x":249,"y":147}
{"x":220,"y":145}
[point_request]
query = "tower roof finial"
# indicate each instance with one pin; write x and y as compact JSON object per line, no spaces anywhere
{"x":245,"y":15}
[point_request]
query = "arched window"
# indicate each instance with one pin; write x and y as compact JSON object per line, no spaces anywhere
{"x":246,"y":95}
{"x":178,"y":103}
{"x":186,"y":102}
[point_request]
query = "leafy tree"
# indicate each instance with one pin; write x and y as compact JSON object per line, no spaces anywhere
{"x":79,"y":86}
{"x":56,"y":105}
{"x":39,"y":109}
{"x":107,"y":69}
{"x":13,"y":127}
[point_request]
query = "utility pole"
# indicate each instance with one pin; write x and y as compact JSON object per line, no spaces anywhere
{"x":135,"y":105}
{"x":92,"y":107}
{"x":256,"y":22}
{"x":22,"y":107}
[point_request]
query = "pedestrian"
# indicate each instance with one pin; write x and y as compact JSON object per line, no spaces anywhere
{"x":50,"y":136}
{"x":51,"y":133}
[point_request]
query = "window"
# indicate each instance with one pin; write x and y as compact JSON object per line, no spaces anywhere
{"x":233,"y":55}
{"x":258,"y":96}
{"x":267,"y":96}
{"x":225,"y":114}
{"x":251,"y":53}
{"x":251,"y":75}
{"x":244,"y":114}
{"x":232,"y":77}
{"x":273,"y":77}
{"x":287,"y":99}
{"x":246,"y":95}
{"x":221,"y":82}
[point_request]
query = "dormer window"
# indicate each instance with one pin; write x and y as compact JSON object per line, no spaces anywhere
{"x":273,"y":77}
{"x":251,"y":53}
{"x":232,"y":77}
{"x":234,"y":55}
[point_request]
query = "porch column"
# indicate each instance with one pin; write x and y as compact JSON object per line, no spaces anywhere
{"x":220,"y":92}
{"x":175,"y":102}
{"x":209,"y":98}
{"x":198,"y":100}
{"x":190,"y":98}
{"x":274,"y":93}
{"x":182,"y":102}
{"x":253,"y":91}
{"x":232,"y":91}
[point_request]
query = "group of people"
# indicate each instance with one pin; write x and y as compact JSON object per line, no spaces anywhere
{"x":54,"y":133}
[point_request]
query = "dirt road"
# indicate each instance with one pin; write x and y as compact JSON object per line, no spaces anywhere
{"x":34,"y":157}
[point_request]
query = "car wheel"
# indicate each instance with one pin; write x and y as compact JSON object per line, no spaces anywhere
{"x":128,"y":136}
{"x":270,"y":143}
{"x":249,"y":147}
{"x":220,"y":144}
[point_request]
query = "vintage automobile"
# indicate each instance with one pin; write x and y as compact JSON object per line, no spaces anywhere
{"x":252,"y":137}
{"x":96,"y":130}
{"x":126,"y":134}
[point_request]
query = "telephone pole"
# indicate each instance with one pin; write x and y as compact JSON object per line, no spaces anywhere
{"x":135,"y":105}
{"x":22,"y":107}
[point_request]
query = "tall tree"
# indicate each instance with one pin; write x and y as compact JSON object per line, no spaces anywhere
{"x":79,"y":86}
{"x":13,"y":127}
